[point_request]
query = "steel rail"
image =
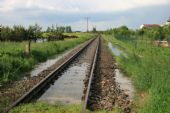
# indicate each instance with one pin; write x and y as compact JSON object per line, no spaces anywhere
{"x":33,"y":91}
{"x":91,"y":77}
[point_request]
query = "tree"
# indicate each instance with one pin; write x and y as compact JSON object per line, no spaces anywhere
{"x":30,"y":36}
{"x":94,"y":30}
{"x":122,"y":32}
{"x":18,"y":33}
{"x":37,"y":32}
{"x":6,"y":33}
{"x":68,"y":29}
{"x":52,"y":28}
{"x":166,"y":32}
{"x":61,"y":29}
{"x":0,"y":31}
{"x":48,"y":29}
{"x":33,"y":33}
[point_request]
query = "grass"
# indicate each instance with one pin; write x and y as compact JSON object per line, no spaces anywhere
{"x":46,"y":108}
{"x":13,"y":62}
{"x":149,"y":68}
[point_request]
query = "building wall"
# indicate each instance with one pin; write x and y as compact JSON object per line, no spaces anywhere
{"x":141,"y":27}
{"x":167,"y":23}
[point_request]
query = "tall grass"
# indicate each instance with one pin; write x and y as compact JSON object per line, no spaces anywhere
{"x":13,"y":62}
{"x":149,"y":67}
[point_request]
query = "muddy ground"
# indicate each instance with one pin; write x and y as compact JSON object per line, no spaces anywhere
{"x":105,"y":93}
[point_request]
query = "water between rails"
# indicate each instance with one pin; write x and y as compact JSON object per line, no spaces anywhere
{"x":68,"y":87}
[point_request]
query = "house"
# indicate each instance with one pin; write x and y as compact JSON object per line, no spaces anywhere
{"x":149,"y":26}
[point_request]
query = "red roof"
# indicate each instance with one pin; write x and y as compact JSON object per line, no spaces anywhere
{"x":151,"y":25}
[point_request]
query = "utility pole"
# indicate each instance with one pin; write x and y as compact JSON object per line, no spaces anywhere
{"x":0,"y":32}
{"x":87,"y":18}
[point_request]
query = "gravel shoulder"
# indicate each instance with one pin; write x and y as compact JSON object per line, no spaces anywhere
{"x":105,"y":92}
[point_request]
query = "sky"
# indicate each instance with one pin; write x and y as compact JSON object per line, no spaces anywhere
{"x":104,"y":14}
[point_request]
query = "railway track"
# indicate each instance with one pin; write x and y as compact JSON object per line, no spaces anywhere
{"x":38,"y":87}
{"x":90,"y":78}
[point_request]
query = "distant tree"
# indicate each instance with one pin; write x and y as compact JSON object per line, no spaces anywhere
{"x":140,"y":32}
{"x":37,"y":32}
{"x":68,"y":29}
{"x":122,"y":32}
{"x":52,"y":28}
{"x":30,"y":32}
{"x":155,"y":33}
{"x":166,"y":32}
{"x":18,"y":33}
{"x":6,"y":33}
{"x":124,"y":28}
{"x":61,"y":29}
{"x":94,"y":30}
{"x":48,"y":29}
{"x":30,"y":36}
{"x":0,"y":32}
{"x":33,"y":32}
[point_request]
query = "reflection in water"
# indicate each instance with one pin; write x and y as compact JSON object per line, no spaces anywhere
{"x":69,"y":87}
{"x":114,"y":50}
{"x":125,"y":83}
{"x":43,"y":66}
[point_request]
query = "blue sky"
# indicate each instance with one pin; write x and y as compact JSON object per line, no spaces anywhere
{"x":103,"y":14}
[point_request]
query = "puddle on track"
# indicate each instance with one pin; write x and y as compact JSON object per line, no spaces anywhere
{"x":68,"y":89}
{"x":125,"y":83}
{"x":43,"y":66}
{"x":114,"y":49}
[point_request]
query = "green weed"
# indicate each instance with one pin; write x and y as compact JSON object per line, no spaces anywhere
{"x":149,"y":68}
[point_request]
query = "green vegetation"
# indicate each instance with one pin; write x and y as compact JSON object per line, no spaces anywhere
{"x":152,"y":33}
{"x":20,"y":33}
{"x":149,"y":68}
{"x":13,"y":61}
{"x":33,"y":32}
{"x":45,"y":108}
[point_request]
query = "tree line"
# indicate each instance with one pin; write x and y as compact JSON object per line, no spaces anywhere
{"x":32,"y":32}
{"x":152,"y":33}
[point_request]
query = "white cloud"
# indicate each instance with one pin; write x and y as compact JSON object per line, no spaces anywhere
{"x":72,"y":12}
{"x":79,"y":5}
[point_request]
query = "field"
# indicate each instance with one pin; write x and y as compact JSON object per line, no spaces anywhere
{"x":85,"y":56}
{"x":13,"y":62}
{"x":149,"y":68}
{"x":147,"y":65}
